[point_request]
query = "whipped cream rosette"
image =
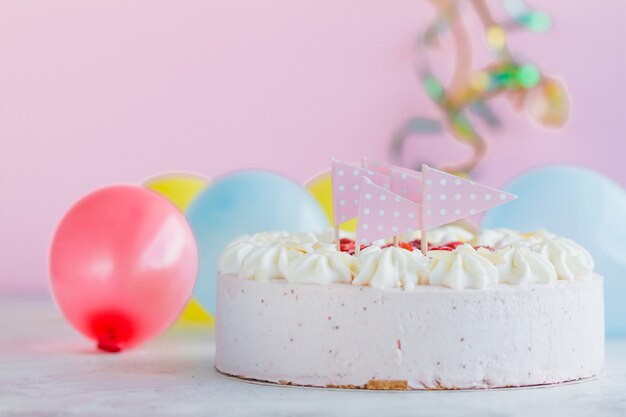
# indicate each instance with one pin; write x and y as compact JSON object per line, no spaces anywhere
{"x":391,"y":267}
{"x":461,"y":268}
{"x":570,"y":259}
{"x":324,"y":265}
{"x":231,"y":258}
{"x":502,"y":237}
{"x":269,"y":262}
{"x":519,"y":264}
{"x":497,"y":238}
{"x":442,"y":235}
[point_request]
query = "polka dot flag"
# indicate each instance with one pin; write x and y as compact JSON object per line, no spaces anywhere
{"x":346,"y":184}
{"x":383,"y":168}
{"x":447,"y":198}
{"x":382,"y":213}
{"x":406,"y":183}
{"x":376,"y":166}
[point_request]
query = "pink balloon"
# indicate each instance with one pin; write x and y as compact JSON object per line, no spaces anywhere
{"x":123,"y":265}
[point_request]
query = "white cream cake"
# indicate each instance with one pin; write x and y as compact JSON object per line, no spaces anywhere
{"x":499,"y":309}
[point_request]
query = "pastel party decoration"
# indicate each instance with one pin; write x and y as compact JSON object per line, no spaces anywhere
{"x":582,"y":205}
{"x":123,"y":264}
{"x":181,"y":188}
{"x":405,"y":200}
{"x":448,"y":198}
{"x":382,"y":168}
{"x":346,"y":189}
{"x":381,"y":213}
{"x":403,"y":181}
{"x":407,"y":184}
{"x":194,"y":315}
{"x":178,"y":187}
{"x":320,"y":186}
{"x":467,"y":94}
{"x":243,"y":202}
{"x":376,"y":166}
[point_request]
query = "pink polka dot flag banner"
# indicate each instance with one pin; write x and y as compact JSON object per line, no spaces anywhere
{"x":407,"y":184}
{"x":389,"y":200}
{"x":384,"y":169}
{"x":447,"y":198}
{"x":376,"y":166}
{"x":382,"y":213}
{"x":346,"y":185}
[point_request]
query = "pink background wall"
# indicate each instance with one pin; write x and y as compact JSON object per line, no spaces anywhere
{"x":108,"y":91}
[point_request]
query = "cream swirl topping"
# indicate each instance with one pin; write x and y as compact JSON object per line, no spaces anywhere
{"x":231,"y":258}
{"x":390,"y":267}
{"x":308,"y":237}
{"x":444,"y":234}
{"x":539,"y":236}
{"x":325,"y":265}
{"x":497,"y":238}
{"x":535,"y":258}
{"x":570,"y":260}
{"x":461,"y":268}
{"x":447,"y":234}
{"x":502,"y":237}
{"x":268,"y":262}
{"x":519,"y":264}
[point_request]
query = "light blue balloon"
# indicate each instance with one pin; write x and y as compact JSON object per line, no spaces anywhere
{"x":584,"y":206}
{"x":246,"y":202}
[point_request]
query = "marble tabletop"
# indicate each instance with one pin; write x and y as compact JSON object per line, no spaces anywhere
{"x":47,"y":369}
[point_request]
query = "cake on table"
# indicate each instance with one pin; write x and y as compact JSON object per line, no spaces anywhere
{"x":292,"y":309}
{"x":410,"y":302}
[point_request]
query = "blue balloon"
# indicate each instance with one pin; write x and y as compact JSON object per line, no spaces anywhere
{"x":584,"y":206}
{"x":246,"y":202}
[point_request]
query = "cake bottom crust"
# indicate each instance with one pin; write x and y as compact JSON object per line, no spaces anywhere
{"x":402,"y":385}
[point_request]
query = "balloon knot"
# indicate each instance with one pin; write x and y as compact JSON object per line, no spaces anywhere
{"x":110,"y":346}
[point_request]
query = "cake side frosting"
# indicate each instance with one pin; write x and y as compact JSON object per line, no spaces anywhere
{"x":431,"y":337}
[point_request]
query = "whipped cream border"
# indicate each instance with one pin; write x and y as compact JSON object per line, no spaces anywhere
{"x":511,"y":258}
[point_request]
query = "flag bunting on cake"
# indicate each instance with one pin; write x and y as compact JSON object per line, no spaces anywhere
{"x":346,"y":184}
{"x":382,"y":168}
{"x":389,"y":200}
{"x":407,"y":184}
{"x":376,"y":166}
{"x":447,"y":198}
{"x":382,"y":213}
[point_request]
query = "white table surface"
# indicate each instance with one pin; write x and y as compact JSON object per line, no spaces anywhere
{"x":47,"y":369}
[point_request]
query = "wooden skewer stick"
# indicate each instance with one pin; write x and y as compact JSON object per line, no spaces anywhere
{"x":357,"y":245}
{"x":422,"y":211}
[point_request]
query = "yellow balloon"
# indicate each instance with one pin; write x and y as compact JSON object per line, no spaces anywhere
{"x":181,"y":189}
{"x":321,"y":188}
{"x":194,"y":314}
